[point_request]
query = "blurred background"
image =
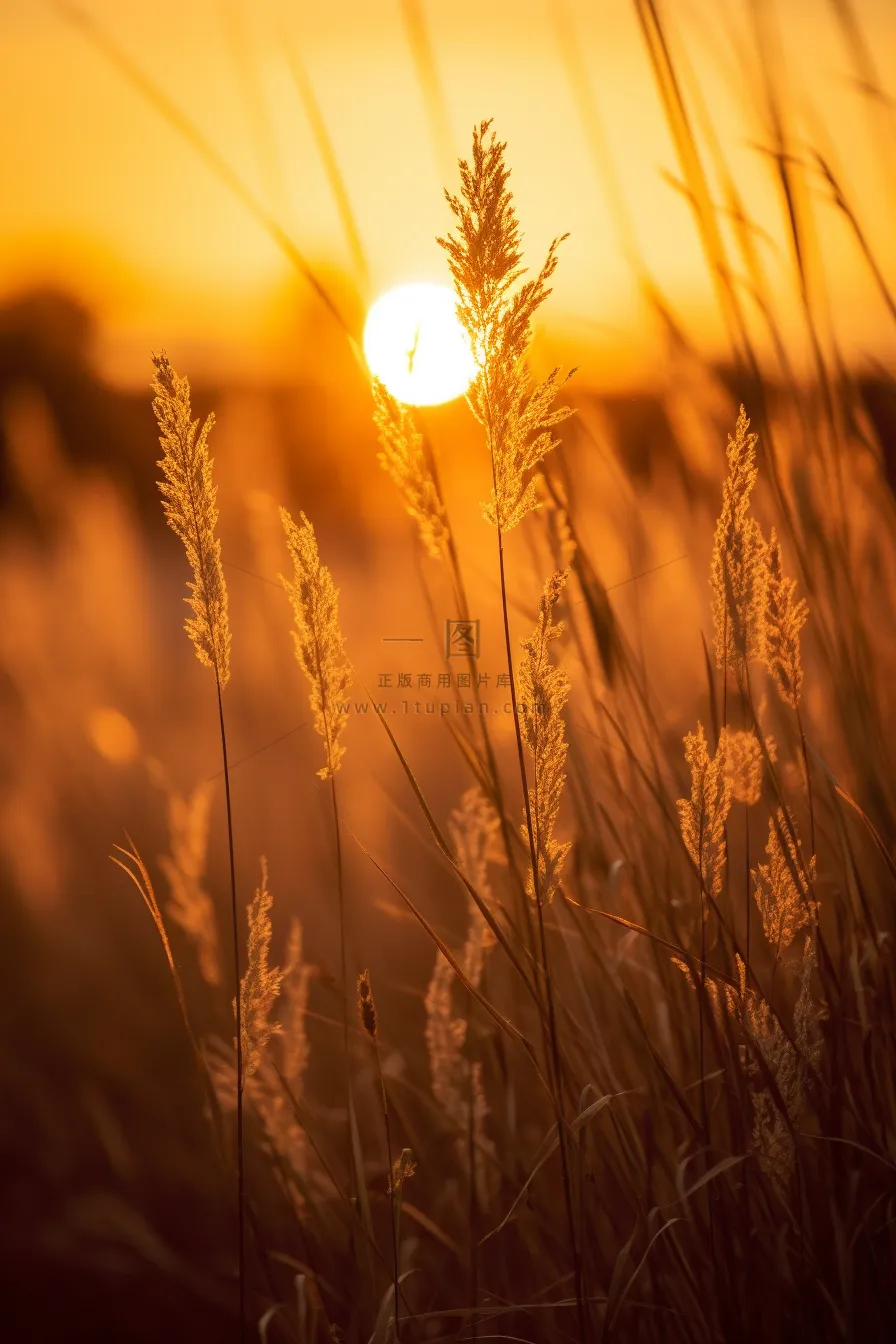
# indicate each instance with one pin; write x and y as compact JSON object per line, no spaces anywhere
{"x":236,"y":183}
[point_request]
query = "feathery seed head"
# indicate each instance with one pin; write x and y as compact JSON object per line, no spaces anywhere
{"x":317,"y":637}
{"x":403,"y":1169}
{"x":722,"y":996}
{"x":783,"y":886}
{"x":190,"y":905}
{"x":404,"y":459}
{"x":260,"y":984}
{"x":744,"y":765}
{"x":703,"y":815}
{"x":366,"y":1006}
{"x":189,"y":499}
{"x":272,"y":1102}
{"x":294,"y":994}
{"x":807,"y":1013}
{"x":445,"y":1036}
{"x":786,"y":1057}
{"x":789,"y":1060}
{"x":484,"y":259}
{"x":263,"y":1082}
{"x":474,"y":829}
{"x":737,"y":572}
{"x":544,"y":689}
{"x":784,"y":619}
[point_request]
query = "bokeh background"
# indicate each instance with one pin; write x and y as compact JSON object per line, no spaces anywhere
{"x":158,"y":162}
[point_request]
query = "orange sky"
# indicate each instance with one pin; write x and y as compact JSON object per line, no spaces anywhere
{"x":103,"y":196}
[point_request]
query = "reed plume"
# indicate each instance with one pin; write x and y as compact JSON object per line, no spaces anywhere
{"x":737,"y":571}
{"x":294,"y":998}
{"x":744,"y":765}
{"x":783,"y":885}
{"x":277,"y":1086}
{"x":789,"y":1060}
{"x":702,"y":816}
{"x":484,"y":258}
{"x":277,"y":1096}
{"x":367,"y":1007}
{"x":445,"y":1035}
{"x":403,"y":1168}
{"x":318,"y":639}
{"x":276,"y":1052}
{"x":261,"y":983}
{"x":190,"y":905}
{"x":544,"y":690}
{"x":474,"y":828}
{"x":259,"y":991}
{"x":190,"y":502}
{"x":723,"y":997}
{"x":784,"y":618}
{"x":403,"y":458}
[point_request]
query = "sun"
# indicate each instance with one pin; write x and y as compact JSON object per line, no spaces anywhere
{"x":414,"y":343}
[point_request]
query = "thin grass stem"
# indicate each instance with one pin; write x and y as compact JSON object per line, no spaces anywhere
{"x":240,"y":1081}
{"x":553,"y":1043}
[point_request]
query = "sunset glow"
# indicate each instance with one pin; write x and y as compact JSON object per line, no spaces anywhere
{"x":414,"y":344}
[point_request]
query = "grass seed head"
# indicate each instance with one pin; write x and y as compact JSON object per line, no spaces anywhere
{"x":543,"y":690}
{"x":190,"y":905}
{"x":783,"y":886}
{"x":261,"y":982}
{"x":744,"y":764}
{"x":484,"y":257}
{"x":703,"y":815}
{"x":402,"y":456}
{"x":367,"y":1007}
{"x":317,"y":637}
{"x":784,"y":618}
{"x":403,"y":1168}
{"x":189,"y":499}
{"x":737,"y":571}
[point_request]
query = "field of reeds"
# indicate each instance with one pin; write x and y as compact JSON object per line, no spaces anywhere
{"x":535,"y":985}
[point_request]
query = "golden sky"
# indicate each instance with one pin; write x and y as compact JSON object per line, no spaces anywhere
{"x":102,"y":195}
